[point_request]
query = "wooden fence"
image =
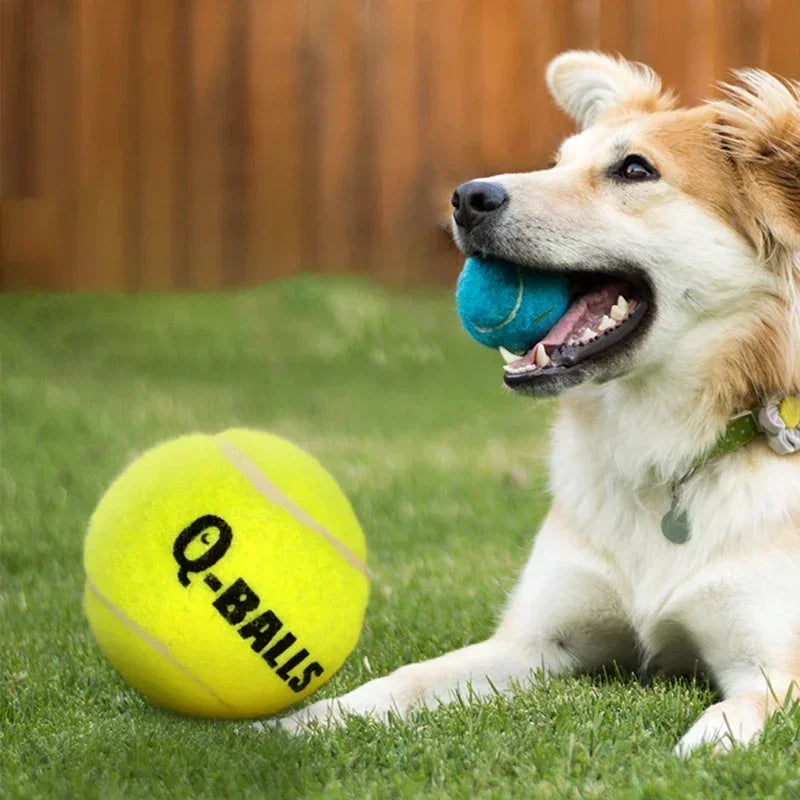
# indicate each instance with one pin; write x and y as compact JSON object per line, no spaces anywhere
{"x":208,"y":143}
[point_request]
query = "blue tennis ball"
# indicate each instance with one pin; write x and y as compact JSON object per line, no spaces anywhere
{"x":503,"y":304}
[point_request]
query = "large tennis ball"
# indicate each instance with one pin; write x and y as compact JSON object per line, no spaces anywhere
{"x":225,"y":574}
{"x":503,"y":304}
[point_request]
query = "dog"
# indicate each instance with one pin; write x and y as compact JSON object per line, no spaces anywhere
{"x":663,"y":551}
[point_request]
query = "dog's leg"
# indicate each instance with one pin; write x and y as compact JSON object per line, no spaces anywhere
{"x":744,"y":618}
{"x":563,"y":616}
{"x":740,"y":717}
{"x":473,"y":670}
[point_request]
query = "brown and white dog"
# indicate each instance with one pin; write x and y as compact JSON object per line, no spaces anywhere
{"x":680,"y":230}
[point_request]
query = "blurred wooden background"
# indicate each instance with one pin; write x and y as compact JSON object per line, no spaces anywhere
{"x":209,"y":143}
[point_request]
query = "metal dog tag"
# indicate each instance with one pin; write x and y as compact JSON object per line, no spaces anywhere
{"x":675,"y":524}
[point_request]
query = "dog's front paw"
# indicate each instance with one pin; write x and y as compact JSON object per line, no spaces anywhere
{"x":376,"y":700}
{"x":737,"y":721}
{"x":324,"y":713}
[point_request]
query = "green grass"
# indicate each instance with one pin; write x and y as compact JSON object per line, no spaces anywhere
{"x":446,"y":474}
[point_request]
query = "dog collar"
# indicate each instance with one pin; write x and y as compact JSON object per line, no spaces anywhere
{"x":778,"y":420}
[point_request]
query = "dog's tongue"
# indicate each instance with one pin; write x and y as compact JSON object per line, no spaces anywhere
{"x":584,"y":312}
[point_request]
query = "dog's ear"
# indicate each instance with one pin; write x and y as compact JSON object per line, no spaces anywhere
{"x":758,"y":124}
{"x":587,"y":84}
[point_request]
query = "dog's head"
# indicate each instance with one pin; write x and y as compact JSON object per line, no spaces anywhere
{"x":691,"y":216}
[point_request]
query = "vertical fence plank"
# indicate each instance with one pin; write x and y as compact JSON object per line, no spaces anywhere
{"x":452,"y":145}
{"x":135,"y":90}
{"x":493,"y":69}
{"x":753,"y":33}
{"x":102,"y":128}
{"x":15,"y":97}
{"x":728,"y":21}
{"x":396,"y":121}
{"x":617,"y":27}
{"x":333,"y":34}
{"x":235,"y":145}
{"x":677,"y":38}
{"x":705,"y":40}
{"x":277,"y":227}
{"x":156,"y":65}
{"x":498,"y":69}
{"x":781,"y":47}
{"x":182,"y":87}
{"x":209,"y":106}
{"x":53,"y":96}
{"x":16,"y":123}
{"x":666,"y":37}
{"x":365,"y":139}
{"x":553,"y":33}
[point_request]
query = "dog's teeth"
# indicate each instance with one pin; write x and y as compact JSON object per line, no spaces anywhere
{"x":540,"y":356}
{"x":617,"y":313}
{"x":587,"y":336}
{"x":508,"y":356}
{"x":606,"y":324}
{"x":620,"y":309}
{"x":518,"y":370}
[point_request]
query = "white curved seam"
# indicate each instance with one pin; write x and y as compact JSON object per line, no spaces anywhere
{"x":158,"y":646}
{"x":262,"y":484}
{"x":514,"y":311}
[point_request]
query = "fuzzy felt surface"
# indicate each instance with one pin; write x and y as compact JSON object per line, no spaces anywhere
{"x":189,"y":618}
{"x":500,"y":303}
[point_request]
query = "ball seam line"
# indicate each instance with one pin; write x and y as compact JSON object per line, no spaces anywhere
{"x":262,"y":484}
{"x":514,"y":311}
{"x":158,"y":646}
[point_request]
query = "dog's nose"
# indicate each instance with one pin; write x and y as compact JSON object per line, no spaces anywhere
{"x":474,"y":201}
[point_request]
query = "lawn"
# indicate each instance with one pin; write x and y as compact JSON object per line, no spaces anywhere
{"x":445,"y":471}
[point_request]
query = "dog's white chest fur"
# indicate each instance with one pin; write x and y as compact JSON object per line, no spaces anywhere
{"x":688,"y":603}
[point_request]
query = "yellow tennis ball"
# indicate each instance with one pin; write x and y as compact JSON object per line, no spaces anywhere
{"x":225,"y":574}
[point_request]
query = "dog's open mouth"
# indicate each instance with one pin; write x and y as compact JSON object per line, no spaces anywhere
{"x":603,"y":314}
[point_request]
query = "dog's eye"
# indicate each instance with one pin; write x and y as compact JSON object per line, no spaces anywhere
{"x":636,"y":168}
